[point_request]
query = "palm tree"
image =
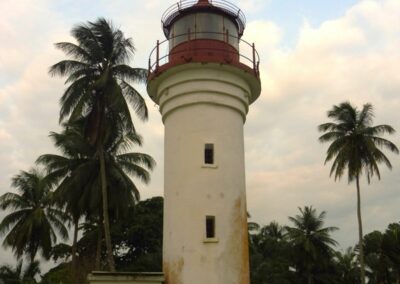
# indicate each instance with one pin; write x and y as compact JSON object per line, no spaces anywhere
{"x":78,"y":171}
{"x":273,"y":231}
{"x":99,"y":88}
{"x":311,"y":242}
{"x":34,"y":222}
{"x":356,"y":147}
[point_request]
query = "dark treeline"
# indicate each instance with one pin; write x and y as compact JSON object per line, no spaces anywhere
{"x":303,"y":251}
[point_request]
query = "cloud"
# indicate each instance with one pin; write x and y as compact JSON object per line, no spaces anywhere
{"x":251,"y":6}
{"x":336,"y":61}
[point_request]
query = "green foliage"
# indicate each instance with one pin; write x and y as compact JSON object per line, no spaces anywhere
{"x":382,"y":255}
{"x":276,"y":256}
{"x":347,"y":266}
{"x":269,"y":255}
{"x":60,"y":274}
{"x":138,"y":238}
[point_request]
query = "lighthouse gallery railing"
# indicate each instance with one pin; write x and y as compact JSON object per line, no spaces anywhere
{"x":161,"y":53}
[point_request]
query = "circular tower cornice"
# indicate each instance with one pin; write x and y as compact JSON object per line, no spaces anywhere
{"x":205,"y":74}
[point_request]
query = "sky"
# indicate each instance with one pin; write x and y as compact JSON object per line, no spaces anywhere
{"x":314,"y":54}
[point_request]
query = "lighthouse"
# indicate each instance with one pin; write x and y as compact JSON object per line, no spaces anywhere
{"x":204,"y":77}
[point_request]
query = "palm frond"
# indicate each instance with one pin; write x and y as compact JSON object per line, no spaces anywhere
{"x":137,"y":158}
{"x":12,"y":200}
{"x":75,"y":51}
{"x":11,"y":219}
{"x":130,"y":74}
{"x":72,"y":96}
{"x":67,"y":67}
{"x":136,"y":100}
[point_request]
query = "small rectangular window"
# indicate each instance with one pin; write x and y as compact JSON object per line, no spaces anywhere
{"x":209,"y":154}
{"x":210,"y":227}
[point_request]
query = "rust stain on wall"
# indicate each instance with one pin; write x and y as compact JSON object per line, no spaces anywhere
{"x":173,"y":271}
{"x":241,"y":233}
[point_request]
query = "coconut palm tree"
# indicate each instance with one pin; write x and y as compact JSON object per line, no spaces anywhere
{"x":356,"y":149}
{"x":311,"y":242}
{"x":78,"y":171}
{"x":34,"y":221}
{"x":273,"y":230}
{"x":99,"y":88}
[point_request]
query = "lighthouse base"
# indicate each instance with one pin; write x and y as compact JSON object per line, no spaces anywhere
{"x":104,"y":277}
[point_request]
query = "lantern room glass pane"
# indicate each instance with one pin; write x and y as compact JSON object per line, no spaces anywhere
{"x":232,"y":31}
{"x":204,"y":26}
{"x":209,"y":26}
{"x":181,"y":29}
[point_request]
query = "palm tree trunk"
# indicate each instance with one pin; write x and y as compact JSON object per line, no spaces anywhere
{"x":106,"y":221}
{"x":74,"y":249}
{"x":360,"y":232}
{"x":99,"y":241}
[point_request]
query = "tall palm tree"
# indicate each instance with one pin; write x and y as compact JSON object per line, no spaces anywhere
{"x":99,"y":87}
{"x":78,"y":170}
{"x":311,"y":241}
{"x":34,"y":222}
{"x":356,"y":148}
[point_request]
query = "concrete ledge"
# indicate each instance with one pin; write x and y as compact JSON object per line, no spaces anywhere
{"x":105,"y":277}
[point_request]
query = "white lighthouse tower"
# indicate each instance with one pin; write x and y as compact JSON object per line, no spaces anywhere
{"x":204,"y":84}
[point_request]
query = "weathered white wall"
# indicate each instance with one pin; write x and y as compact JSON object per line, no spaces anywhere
{"x":204,"y":104}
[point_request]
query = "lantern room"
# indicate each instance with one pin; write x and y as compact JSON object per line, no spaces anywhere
{"x":204,"y":21}
{"x":204,"y":31}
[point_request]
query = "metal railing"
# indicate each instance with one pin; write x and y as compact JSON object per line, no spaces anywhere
{"x":247,"y":53}
{"x":229,"y":8}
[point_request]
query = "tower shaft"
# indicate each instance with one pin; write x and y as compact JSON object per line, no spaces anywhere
{"x":204,"y":86}
{"x":204,"y":107}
